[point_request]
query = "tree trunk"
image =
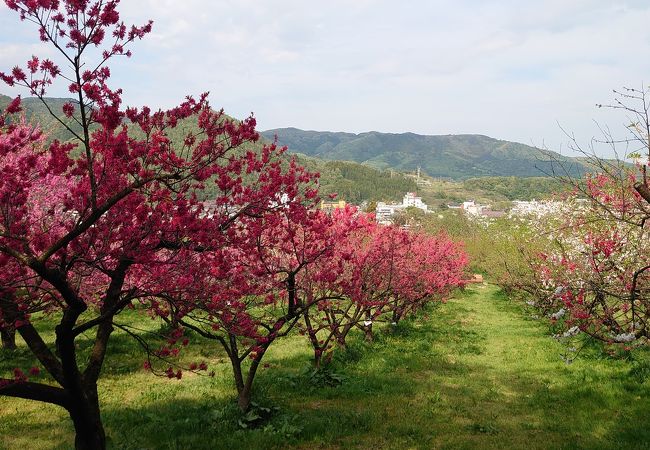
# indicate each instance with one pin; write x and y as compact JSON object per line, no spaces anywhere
{"x":313,"y":339}
{"x":83,"y":405}
{"x":245,"y":395}
{"x":8,"y":338}
{"x":318,"y":357}
{"x":328,"y":357}
{"x":237,"y":372}
{"x":84,"y":412}
{"x":244,"y":399}
{"x":10,"y":313}
{"x":368,"y":333}
{"x":367,"y":327}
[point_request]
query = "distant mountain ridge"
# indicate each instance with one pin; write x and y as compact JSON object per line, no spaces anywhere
{"x":451,"y":156}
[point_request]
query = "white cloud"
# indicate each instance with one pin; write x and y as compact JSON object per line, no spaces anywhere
{"x":509,"y":69}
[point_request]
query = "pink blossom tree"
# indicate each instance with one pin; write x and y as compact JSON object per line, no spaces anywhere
{"x":387,"y":273}
{"x":593,"y":274}
{"x":258,"y":294}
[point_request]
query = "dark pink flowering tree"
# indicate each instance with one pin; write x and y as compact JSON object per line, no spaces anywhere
{"x":89,"y":227}
{"x":258,"y":295}
{"x":387,"y":273}
{"x":362,"y":283}
{"x":15,"y":279}
{"x":324,"y":280}
{"x":428,"y":270}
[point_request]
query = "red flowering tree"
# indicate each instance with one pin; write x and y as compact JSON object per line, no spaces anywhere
{"x":350,"y":229}
{"x":126,"y":210}
{"x":15,"y":279}
{"x":428,"y":271}
{"x":387,"y":273}
{"x":258,"y":291}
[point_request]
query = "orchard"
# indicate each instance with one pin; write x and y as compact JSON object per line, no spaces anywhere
{"x":172,"y":279}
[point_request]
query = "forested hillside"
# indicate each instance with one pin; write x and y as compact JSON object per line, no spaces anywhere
{"x":37,"y":112}
{"x":451,"y":156}
{"x":356,"y":183}
{"x":517,"y":188}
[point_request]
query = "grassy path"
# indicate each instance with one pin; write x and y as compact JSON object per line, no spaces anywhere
{"x":511,"y":389}
{"x":478,"y":374}
{"x":475,"y":373}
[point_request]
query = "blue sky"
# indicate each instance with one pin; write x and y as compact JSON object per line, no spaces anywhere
{"x":508,"y":69}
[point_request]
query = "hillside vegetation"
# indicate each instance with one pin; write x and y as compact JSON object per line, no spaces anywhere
{"x":496,"y":191}
{"x":517,"y":188}
{"x":36,"y":112}
{"x":451,"y":156}
{"x":356,"y":183}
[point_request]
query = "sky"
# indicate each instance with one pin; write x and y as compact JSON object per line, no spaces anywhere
{"x":526,"y":71}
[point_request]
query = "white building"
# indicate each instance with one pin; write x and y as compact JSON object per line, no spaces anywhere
{"x":475,"y":210}
{"x":410,"y":199}
{"x":384,"y":211}
{"x":472,"y":208}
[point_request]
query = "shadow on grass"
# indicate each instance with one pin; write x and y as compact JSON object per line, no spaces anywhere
{"x":384,"y":408}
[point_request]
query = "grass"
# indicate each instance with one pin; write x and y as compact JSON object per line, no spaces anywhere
{"x":473,"y":373}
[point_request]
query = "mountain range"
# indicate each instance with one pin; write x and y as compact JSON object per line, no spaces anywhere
{"x":447,"y":156}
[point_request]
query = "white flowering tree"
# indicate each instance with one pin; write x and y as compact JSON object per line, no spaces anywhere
{"x":592,"y":275}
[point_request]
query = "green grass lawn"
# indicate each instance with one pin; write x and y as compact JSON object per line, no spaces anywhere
{"x":472,"y":373}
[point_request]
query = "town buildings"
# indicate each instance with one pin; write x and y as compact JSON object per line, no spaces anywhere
{"x":473,"y":209}
{"x":519,"y":208}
